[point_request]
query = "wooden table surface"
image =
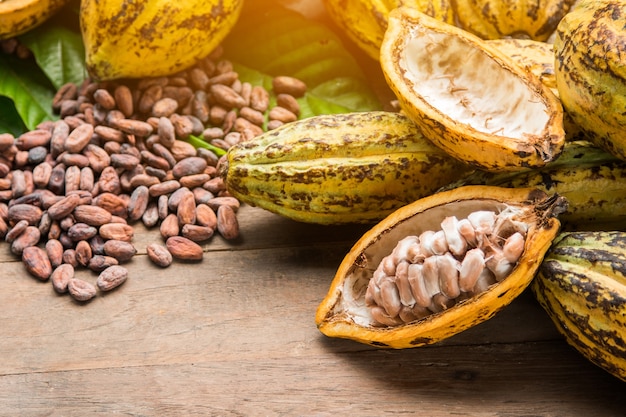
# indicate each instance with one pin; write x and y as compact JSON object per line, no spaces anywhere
{"x":234,"y":335}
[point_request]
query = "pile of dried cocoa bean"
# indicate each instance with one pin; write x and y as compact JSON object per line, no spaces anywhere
{"x":71,"y":189}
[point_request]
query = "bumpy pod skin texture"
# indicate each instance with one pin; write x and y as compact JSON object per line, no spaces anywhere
{"x":152,"y":38}
{"x":365,"y":21}
{"x":468,"y":97}
{"x":592,"y":180}
{"x":343,"y":312}
{"x":495,"y":19}
{"x":581,"y":284}
{"x":590,"y":68}
{"x":333,"y":169}
{"x":19,"y":16}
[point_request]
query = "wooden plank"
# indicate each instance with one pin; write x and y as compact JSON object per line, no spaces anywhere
{"x":235,"y":335}
{"x":538,"y":379}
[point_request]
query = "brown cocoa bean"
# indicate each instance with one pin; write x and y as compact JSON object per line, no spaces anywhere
{"x":169,"y":226}
{"x":196,"y":232}
{"x":189,"y":166}
{"x":98,"y":157}
{"x":112,"y":203}
{"x":159,"y":255}
{"x":92,"y":215}
{"x":79,"y":138}
{"x":124,"y":99}
{"x":99,"y":263}
{"x":205,"y":216}
{"x":81,"y":231}
{"x":54,"y":249}
{"x":184,"y":249}
{"x":32,"y":214}
{"x":150,"y":216}
{"x":61,"y":276}
{"x":121,"y":250}
{"x":41,"y":174}
{"x":165,"y":187}
{"x":81,"y":290}
{"x":133,"y":127}
{"x":282,"y":114}
{"x":83,"y":252}
{"x":288,"y":85}
{"x":112,"y":277}
{"x":138,"y":202}
{"x":109,"y":181}
{"x":186,"y":210}
{"x":33,"y":138}
{"x":124,"y":161}
{"x":117,"y":231}
{"x":64,"y":207}
{"x":104,"y":99}
{"x":36,"y":262}
{"x":29,"y":237}
{"x":216,"y":202}
{"x":227,"y":224}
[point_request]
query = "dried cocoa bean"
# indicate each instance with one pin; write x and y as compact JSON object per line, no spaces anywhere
{"x":159,"y":255}
{"x":81,"y":290}
{"x":227,"y":224}
{"x":32,"y":214}
{"x":99,"y":263}
{"x":29,"y":237}
{"x":36,"y":262}
{"x":54,"y":249}
{"x":112,"y":277}
{"x":61,"y":276}
{"x":121,"y":250}
{"x":184,"y":249}
{"x":117,"y":231}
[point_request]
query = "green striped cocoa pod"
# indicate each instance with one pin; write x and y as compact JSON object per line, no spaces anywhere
{"x":581,"y":284}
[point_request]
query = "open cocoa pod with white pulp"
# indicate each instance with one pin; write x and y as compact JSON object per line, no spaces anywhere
{"x":440,"y":265}
{"x":468,"y":97}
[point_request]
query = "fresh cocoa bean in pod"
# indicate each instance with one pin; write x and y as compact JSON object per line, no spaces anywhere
{"x":440,"y":265}
{"x":112,"y":277}
{"x":184,"y":249}
{"x":36,"y":262}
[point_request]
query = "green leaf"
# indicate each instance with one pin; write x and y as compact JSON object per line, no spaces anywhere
{"x":276,"y":41}
{"x":199,"y":143}
{"x":10,"y":120}
{"x":28,"y":87}
{"x":59,"y":52}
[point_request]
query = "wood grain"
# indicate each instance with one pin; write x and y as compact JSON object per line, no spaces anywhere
{"x":235,"y":335}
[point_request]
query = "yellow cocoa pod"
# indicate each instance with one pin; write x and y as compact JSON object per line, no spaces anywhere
{"x":468,"y":97}
{"x":592,"y":180}
{"x":342,"y":168}
{"x":537,"y":58}
{"x":534,"y":56}
{"x":365,"y":21}
{"x":590,"y":52}
{"x":495,"y":19}
{"x":152,"y":38}
{"x":20,"y":16}
{"x":581,"y":284}
{"x":439,"y":266}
